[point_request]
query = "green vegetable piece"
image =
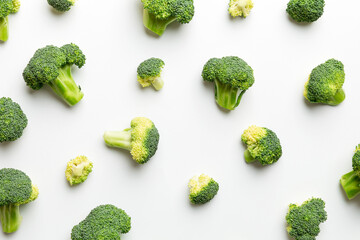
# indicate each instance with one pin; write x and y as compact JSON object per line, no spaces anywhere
{"x":202,"y":189}
{"x":6,"y":8}
{"x":61,"y":5}
{"x":78,"y":170}
{"x":305,"y":11}
{"x":240,"y":8}
{"x":351,"y":181}
{"x":149,"y":73}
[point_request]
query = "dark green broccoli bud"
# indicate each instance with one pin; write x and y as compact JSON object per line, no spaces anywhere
{"x":15,"y":189}
{"x":61,"y":5}
{"x":351,"y":181}
{"x":240,"y":8}
{"x":52,"y":66}
{"x":305,"y":11}
{"x":149,"y":73}
{"x":262,"y":145}
{"x":78,"y":170}
{"x":202,"y":189}
{"x":141,"y":139}
{"x":304,"y":221}
{"x":105,"y":222}
{"x":325,"y":83}
{"x":232,"y":77}
{"x":7,"y":7}
{"x":158,"y":14}
{"x":13,"y":120}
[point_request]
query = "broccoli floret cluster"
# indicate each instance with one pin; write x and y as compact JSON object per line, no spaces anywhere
{"x":7,"y":7}
{"x":305,"y":11}
{"x":78,"y":170}
{"x":240,"y":8}
{"x":351,"y":181}
{"x":61,"y":5}
{"x":149,"y":73}
{"x":202,"y":189}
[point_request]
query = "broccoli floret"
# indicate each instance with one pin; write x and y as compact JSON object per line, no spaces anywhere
{"x":240,"y":8}
{"x":105,"y":222}
{"x":202,"y":189}
{"x":305,"y":11}
{"x":149,"y":73}
{"x":13,"y":120}
{"x":232,"y":77}
{"x":7,"y":7}
{"x":303,"y":221}
{"x":158,"y":14}
{"x":15,"y":189}
{"x":325,"y":83}
{"x":52,"y":66}
{"x":262,"y":145}
{"x":61,"y":5}
{"x":351,"y":181}
{"x":141,"y":139}
{"x":78,"y":170}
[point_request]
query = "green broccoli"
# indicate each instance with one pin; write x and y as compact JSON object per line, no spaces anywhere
{"x":325,"y":83}
{"x":351,"y":181}
{"x":15,"y":189}
{"x":303,"y":221}
{"x":305,"y":11}
{"x":13,"y":120}
{"x":158,"y":14}
{"x":149,"y":73}
{"x":232,"y":77}
{"x":61,"y":5}
{"x":141,"y":139}
{"x":105,"y":222}
{"x":262,"y":145}
{"x":78,"y":170}
{"x":7,"y":7}
{"x":240,"y":8}
{"x":202,"y":189}
{"x":52,"y":66}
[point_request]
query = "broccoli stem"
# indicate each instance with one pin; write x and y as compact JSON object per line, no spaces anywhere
{"x":351,"y":184}
{"x":65,"y":87}
{"x":120,"y":139}
{"x":248,"y":157}
{"x":158,"y":83}
{"x":338,"y":98}
{"x":10,"y":218}
{"x":155,"y":25}
{"x":4,"y":29}
{"x":227,"y":96}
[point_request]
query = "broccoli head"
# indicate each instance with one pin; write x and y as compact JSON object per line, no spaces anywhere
{"x":262,"y":145}
{"x":305,"y":11}
{"x":13,"y":120}
{"x":7,"y":7}
{"x":105,"y":222}
{"x":15,"y":189}
{"x":232,"y":77}
{"x":202,"y":189}
{"x":325,"y":83}
{"x":240,"y":8}
{"x":158,"y":14}
{"x":351,"y":181}
{"x":303,"y":221}
{"x":149,"y":73}
{"x":52,"y":66}
{"x":141,"y":139}
{"x":78,"y":170}
{"x":61,"y":5}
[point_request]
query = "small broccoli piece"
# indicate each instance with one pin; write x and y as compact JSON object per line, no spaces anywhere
{"x":158,"y":14}
{"x":303,"y":221}
{"x":105,"y":222}
{"x":15,"y":189}
{"x":13,"y":120}
{"x":305,"y":11}
{"x":149,"y":73}
{"x":351,"y":181}
{"x":325,"y":83}
{"x":7,"y":7}
{"x":232,"y":77}
{"x":61,"y":5}
{"x":78,"y":170}
{"x":202,"y":189}
{"x":141,"y":139}
{"x":240,"y":8}
{"x":52,"y":66}
{"x":262,"y":145}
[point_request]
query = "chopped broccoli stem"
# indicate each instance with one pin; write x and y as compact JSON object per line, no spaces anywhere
{"x":351,"y":184}
{"x":4,"y":32}
{"x":158,"y":83}
{"x":155,"y":25}
{"x":248,"y":157}
{"x":10,"y":218}
{"x":227,"y":95}
{"x":337,"y":98}
{"x":120,"y":139}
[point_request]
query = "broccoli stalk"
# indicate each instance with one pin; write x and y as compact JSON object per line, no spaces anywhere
{"x":248,"y":157}
{"x":120,"y":139}
{"x":4,"y":32}
{"x":10,"y":218}
{"x":154,"y":24}
{"x":227,"y":95}
{"x":351,"y":181}
{"x":338,"y":98}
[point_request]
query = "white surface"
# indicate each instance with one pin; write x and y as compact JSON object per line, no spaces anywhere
{"x":196,"y":136}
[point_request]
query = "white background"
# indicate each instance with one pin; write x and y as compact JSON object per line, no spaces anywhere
{"x":196,"y":136}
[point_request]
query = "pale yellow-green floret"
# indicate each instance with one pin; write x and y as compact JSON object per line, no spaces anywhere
{"x":240,"y":8}
{"x":16,"y":4}
{"x":146,"y":82}
{"x":253,"y":134}
{"x":140,"y":126}
{"x":78,"y":169}
{"x":197,"y":183}
{"x":306,"y":89}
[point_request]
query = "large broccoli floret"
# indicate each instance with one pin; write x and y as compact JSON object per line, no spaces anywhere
{"x":141,"y":139}
{"x":78,"y":170}
{"x":61,"y":5}
{"x":325,"y":83}
{"x":13,"y":120}
{"x":105,"y":222}
{"x":240,"y":8}
{"x":202,"y":189}
{"x":149,"y":73}
{"x":305,"y":11}
{"x":351,"y":181}
{"x":262,"y":145}
{"x":232,"y":77}
{"x":52,"y":66}
{"x":158,"y":14}
{"x":15,"y":189}
{"x":7,"y":7}
{"x":304,"y":221}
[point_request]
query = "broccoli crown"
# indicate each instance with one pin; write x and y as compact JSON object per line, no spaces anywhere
{"x":78,"y":170}
{"x":325,"y":83}
{"x":61,"y":5}
{"x":306,"y":11}
{"x":262,"y":145}
{"x":303,"y":221}
{"x":104,"y":222}
{"x":13,"y":120}
{"x":15,"y":186}
{"x":8,"y":6}
{"x":149,"y":73}
{"x":202,"y":189}
{"x":240,"y":8}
